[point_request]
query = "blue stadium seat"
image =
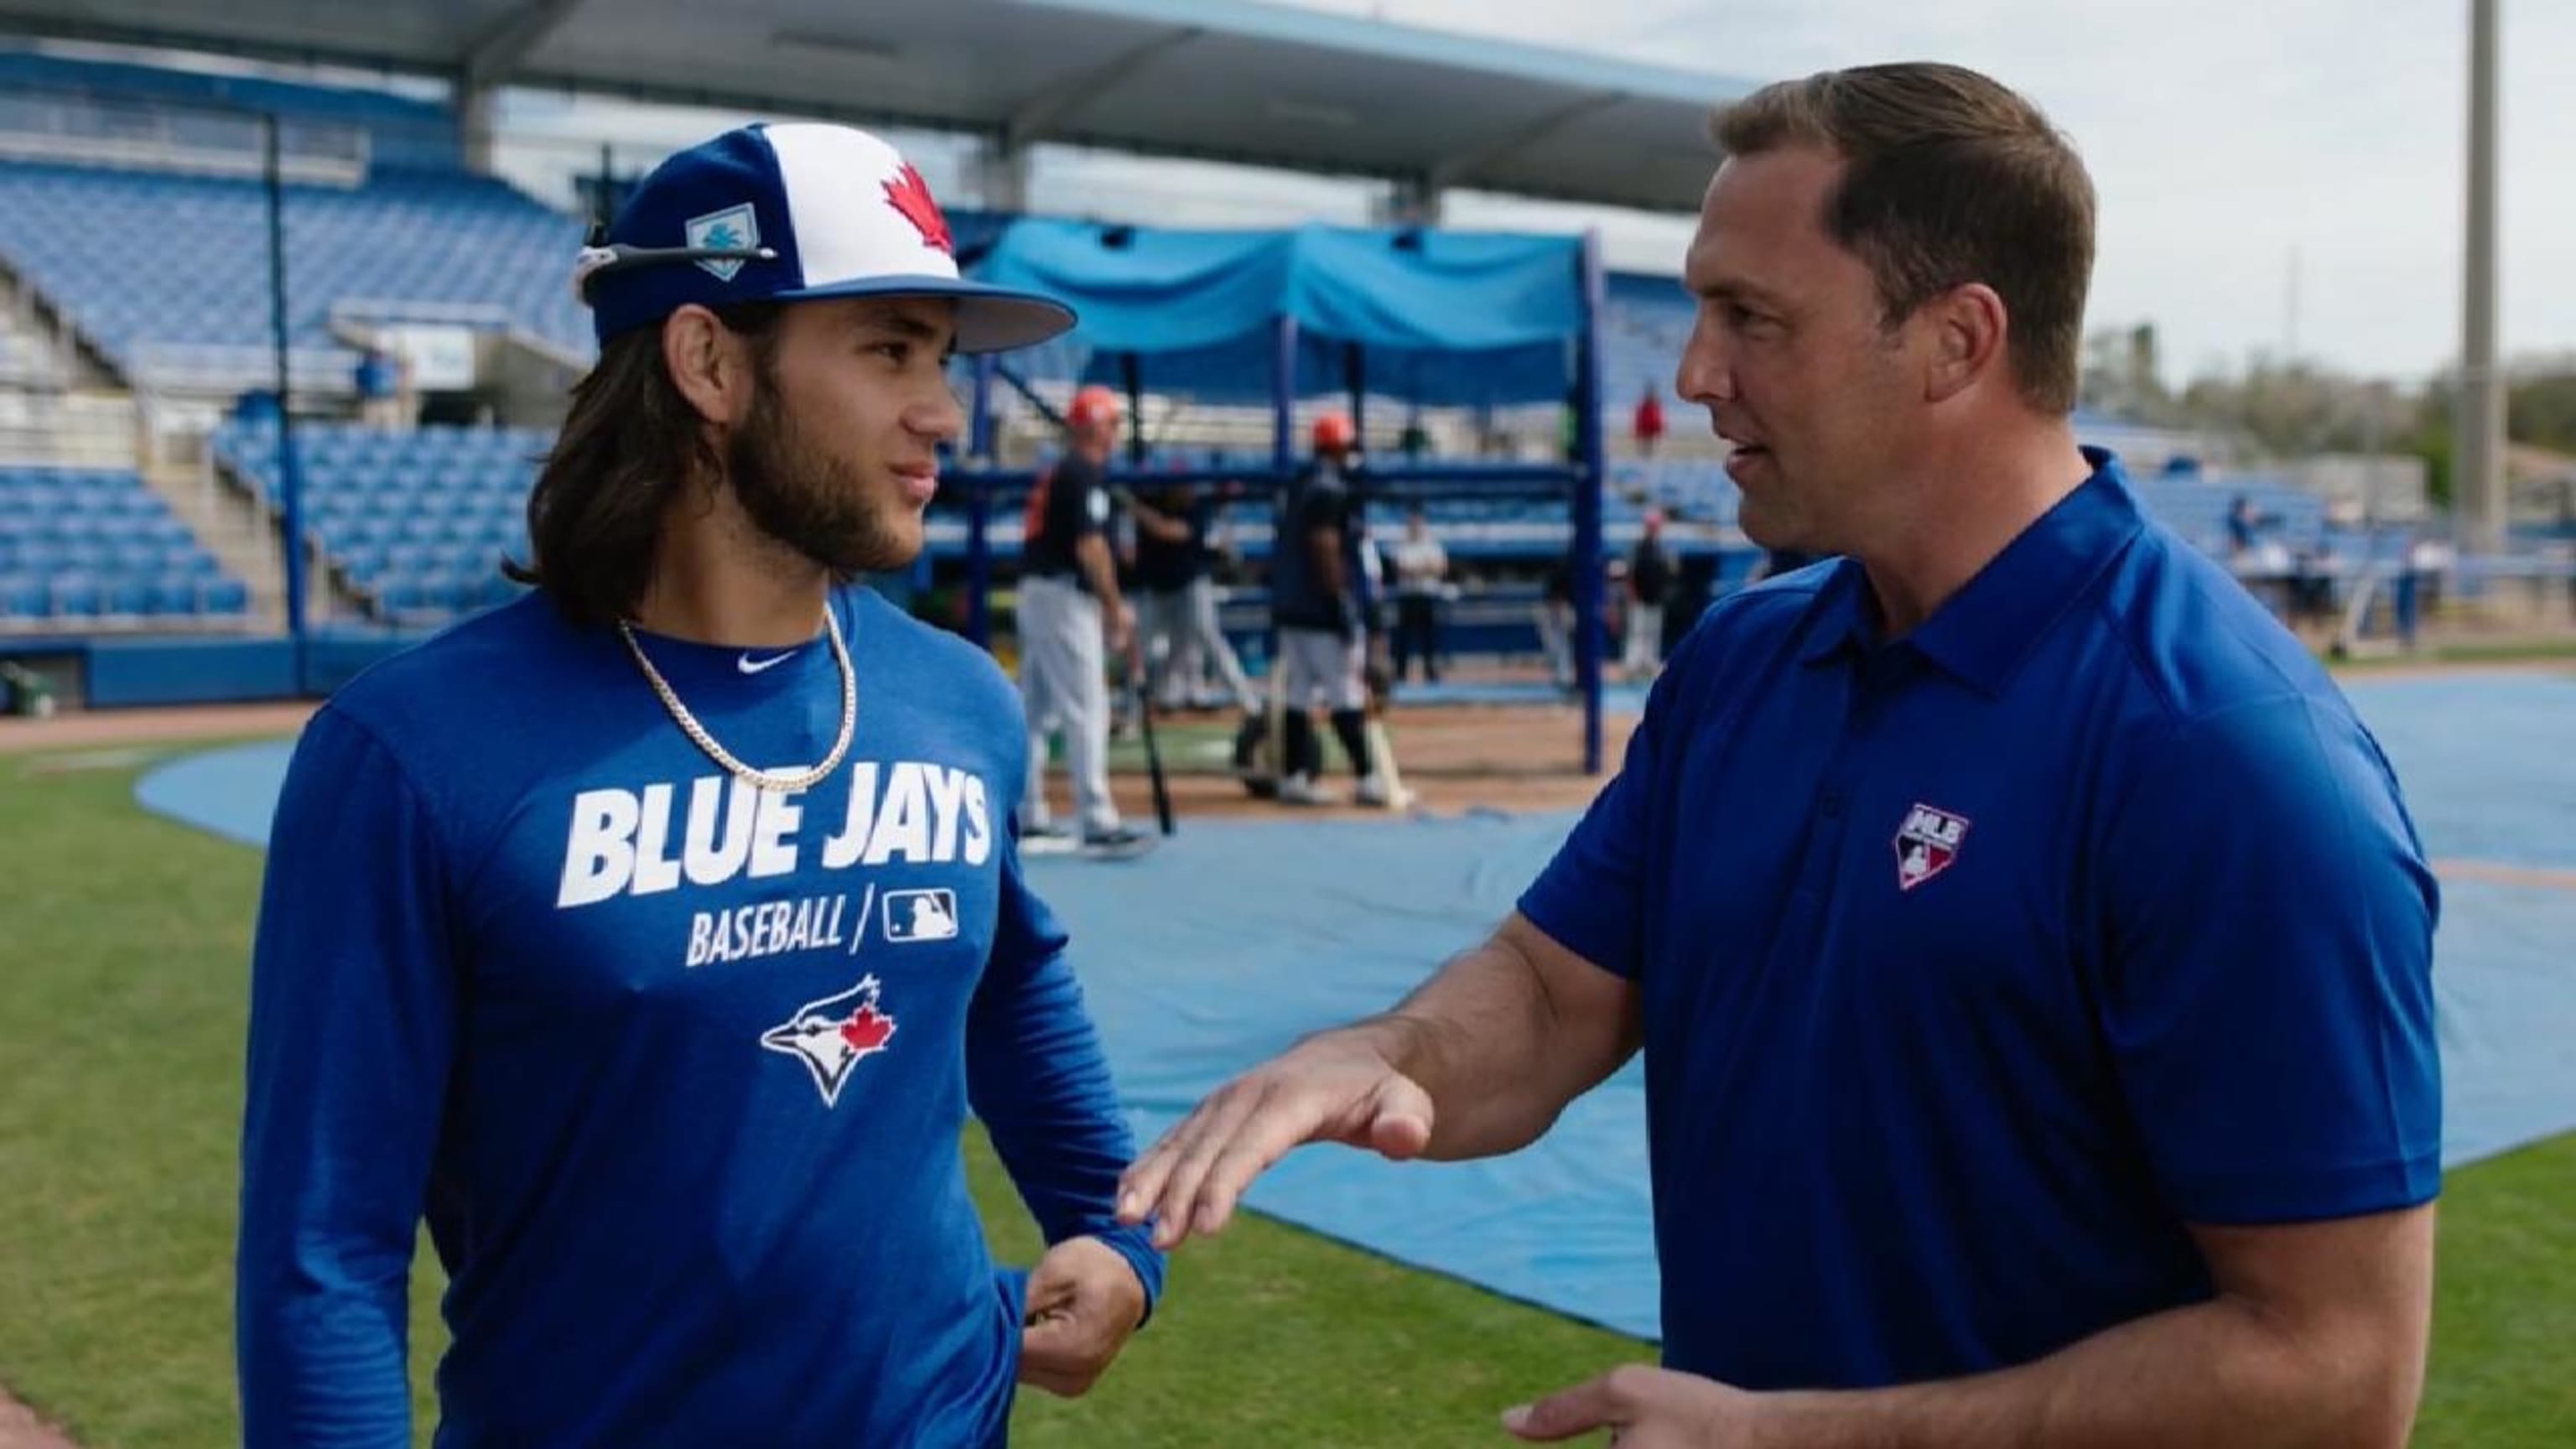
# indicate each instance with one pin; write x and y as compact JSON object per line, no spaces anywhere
{"x":76,"y":597}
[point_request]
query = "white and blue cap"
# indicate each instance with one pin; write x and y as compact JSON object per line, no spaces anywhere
{"x":791,"y":213}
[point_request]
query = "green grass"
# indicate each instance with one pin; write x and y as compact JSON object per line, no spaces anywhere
{"x":2468,"y":652}
{"x":123,"y":947}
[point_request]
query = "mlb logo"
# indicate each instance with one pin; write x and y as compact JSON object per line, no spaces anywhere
{"x":732,"y":229}
{"x":921,"y":915}
{"x":1927,"y":844}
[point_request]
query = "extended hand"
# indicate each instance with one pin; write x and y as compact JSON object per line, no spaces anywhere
{"x":1644,"y":1408}
{"x":1336,"y":1087}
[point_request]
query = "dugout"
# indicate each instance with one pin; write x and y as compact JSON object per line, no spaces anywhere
{"x":1411,"y":315}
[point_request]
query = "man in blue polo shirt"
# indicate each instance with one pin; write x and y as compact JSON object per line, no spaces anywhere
{"x":2028,"y":947}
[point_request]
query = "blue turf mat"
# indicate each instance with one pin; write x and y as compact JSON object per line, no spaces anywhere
{"x":1333,"y":919}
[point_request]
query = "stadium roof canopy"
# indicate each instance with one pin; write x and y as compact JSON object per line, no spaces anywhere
{"x":1225,"y":80}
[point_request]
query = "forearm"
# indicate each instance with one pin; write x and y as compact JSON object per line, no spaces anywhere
{"x":321,"y":1365}
{"x":1486,"y":1040}
{"x":2216,"y":1374}
{"x":1039,"y":1081}
{"x":1098,"y":569}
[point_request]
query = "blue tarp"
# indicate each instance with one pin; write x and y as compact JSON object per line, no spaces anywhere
{"x":1442,"y":318}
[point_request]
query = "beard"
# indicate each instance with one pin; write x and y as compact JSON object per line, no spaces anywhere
{"x":808,"y":501}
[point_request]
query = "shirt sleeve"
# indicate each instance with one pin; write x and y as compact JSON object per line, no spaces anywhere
{"x":1036,"y":1076}
{"x":352,"y":1023}
{"x":1590,"y":898}
{"x":2269,"y":1006}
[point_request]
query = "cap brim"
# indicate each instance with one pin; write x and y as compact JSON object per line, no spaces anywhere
{"x":989,"y":319}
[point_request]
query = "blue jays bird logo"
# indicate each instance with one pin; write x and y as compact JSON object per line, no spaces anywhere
{"x":835,"y":1034}
{"x":736,"y":228}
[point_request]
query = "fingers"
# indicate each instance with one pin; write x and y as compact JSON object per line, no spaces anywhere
{"x":1190,"y":1181}
{"x":1243,"y":1136}
{"x":1611,"y":1401}
{"x":1145,"y":1187}
{"x":1056,"y":1355}
{"x":1052,"y":1288}
{"x":1562,"y":1416}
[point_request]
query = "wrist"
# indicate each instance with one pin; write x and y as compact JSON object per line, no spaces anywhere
{"x":1409,"y":1044}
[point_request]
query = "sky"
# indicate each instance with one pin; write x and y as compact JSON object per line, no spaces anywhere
{"x":2236,"y":145}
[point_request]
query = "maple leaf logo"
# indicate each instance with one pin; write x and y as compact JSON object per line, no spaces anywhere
{"x":867,"y":1029}
{"x":908,"y":194}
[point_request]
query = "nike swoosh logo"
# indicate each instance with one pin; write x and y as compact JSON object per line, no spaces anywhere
{"x":749,"y":665}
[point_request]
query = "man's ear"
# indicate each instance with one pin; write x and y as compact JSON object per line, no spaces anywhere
{"x":708,"y":363}
{"x":1968,"y":330}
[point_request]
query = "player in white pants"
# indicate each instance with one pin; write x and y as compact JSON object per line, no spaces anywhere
{"x":1070,"y":618}
{"x":1317,"y":603}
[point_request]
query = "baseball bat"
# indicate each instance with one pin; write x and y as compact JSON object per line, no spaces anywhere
{"x":1154,"y":768}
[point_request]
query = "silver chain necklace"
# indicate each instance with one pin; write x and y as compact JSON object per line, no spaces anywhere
{"x":781,"y":782}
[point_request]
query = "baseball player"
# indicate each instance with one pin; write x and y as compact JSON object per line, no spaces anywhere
{"x":1319,"y":600}
{"x":1070,"y":612}
{"x":653,"y":936}
{"x":1183,"y":639}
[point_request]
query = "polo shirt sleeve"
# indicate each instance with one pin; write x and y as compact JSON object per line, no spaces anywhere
{"x":1591,"y":898}
{"x":2268,"y":1003}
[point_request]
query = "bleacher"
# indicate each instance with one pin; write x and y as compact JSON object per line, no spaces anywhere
{"x":415,"y":523}
{"x":143,"y":264}
{"x":1645,"y":322}
{"x":86,"y":99}
{"x":93,"y":545}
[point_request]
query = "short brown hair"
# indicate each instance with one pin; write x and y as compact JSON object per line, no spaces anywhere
{"x":631,"y":445}
{"x":1950,"y":178}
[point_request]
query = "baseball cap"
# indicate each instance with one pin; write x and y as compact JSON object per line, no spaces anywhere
{"x":1093,"y":404}
{"x":1333,"y":432}
{"x":790,"y":213}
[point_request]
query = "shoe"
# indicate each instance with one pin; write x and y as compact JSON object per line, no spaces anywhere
{"x":1302,"y":790}
{"x":1376,"y":792}
{"x":1048,"y":840}
{"x":1119,"y":844}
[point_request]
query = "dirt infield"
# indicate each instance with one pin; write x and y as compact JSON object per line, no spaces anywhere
{"x":1519,"y":757}
{"x":21,"y":1429}
{"x":101,"y":728}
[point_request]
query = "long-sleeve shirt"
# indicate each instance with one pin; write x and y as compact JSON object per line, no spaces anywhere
{"x":674,"y":1068}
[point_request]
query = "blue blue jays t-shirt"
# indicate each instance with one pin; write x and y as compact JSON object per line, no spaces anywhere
{"x":1977,"y":964}
{"x":675,"y":1068}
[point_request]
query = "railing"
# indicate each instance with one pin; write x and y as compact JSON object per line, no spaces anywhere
{"x":86,"y":131}
{"x":353,"y":317}
{"x":75,"y":428}
{"x":225,"y":369}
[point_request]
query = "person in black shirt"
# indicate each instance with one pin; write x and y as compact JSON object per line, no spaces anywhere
{"x":1176,"y":601}
{"x":1650,"y":581}
{"x":1070,"y":610}
{"x":1318,"y":601}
